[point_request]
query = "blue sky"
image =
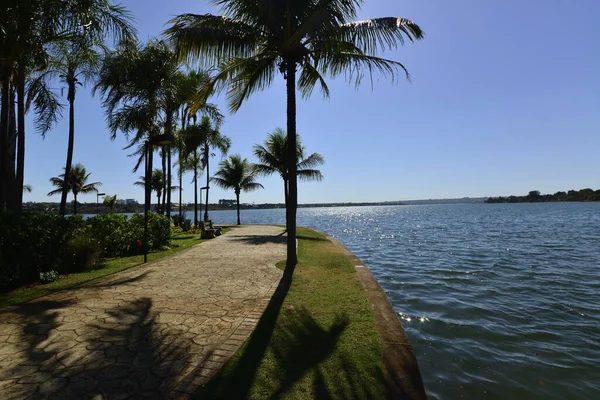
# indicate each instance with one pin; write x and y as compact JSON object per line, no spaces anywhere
{"x":504,"y":98}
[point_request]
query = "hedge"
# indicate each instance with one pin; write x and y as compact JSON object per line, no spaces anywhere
{"x":37,"y":243}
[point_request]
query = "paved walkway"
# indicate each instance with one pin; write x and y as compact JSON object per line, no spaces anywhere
{"x":156,"y":331}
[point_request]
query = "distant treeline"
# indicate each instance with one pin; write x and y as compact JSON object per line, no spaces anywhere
{"x":536,"y":197}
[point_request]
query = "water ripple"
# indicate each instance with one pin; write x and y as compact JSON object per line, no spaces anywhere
{"x":500,"y":301}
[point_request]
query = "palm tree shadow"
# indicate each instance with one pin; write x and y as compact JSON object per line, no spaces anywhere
{"x":258,"y":240}
{"x":300,"y":345}
{"x":129,"y":351}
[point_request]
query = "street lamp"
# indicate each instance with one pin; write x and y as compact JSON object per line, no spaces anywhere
{"x":158,"y":140}
{"x":97,"y":196}
{"x":201,"y":189}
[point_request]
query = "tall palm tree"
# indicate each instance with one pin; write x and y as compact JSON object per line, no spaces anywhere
{"x":75,"y":63}
{"x":77,"y":183}
{"x":272,"y":157}
{"x":189,"y":88}
{"x":138,"y":84}
{"x":301,"y":39}
{"x":206,"y":137}
{"x":237,"y":174}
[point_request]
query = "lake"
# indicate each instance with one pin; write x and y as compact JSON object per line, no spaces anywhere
{"x":500,"y":301}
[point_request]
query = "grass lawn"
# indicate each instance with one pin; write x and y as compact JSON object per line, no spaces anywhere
{"x":319,"y":342}
{"x":179,"y":242}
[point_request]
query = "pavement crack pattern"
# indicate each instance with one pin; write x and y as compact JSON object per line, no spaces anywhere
{"x":156,"y":331}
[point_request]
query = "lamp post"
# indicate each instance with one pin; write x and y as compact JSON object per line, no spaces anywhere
{"x":157,"y":140}
{"x":201,"y":189}
{"x":97,"y":196}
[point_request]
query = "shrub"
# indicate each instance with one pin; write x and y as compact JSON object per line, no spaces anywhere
{"x":47,"y":277}
{"x":178,"y":220}
{"x":32,"y":244}
{"x":80,"y":254}
{"x":187,"y":225}
{"x":113,"y":234}
{"x":159,"y":230}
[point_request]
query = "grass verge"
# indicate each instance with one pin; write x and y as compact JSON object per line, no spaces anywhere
{"x":320,"y":341}
{"x":179,"y":242}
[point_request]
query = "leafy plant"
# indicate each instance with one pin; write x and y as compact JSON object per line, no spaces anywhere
{"x":47,"y":277}
{"x":81,"y":254}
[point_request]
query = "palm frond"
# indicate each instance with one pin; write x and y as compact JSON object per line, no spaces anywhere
{"x":209,"y":38}
{"x":248,"y":76}
{"x":379,"y":33}
{"x":310,"y":175}
{"x":45,"y":102}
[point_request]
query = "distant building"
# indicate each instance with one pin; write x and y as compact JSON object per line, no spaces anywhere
{"x":227,"y":202}
{"x":128,"y":202}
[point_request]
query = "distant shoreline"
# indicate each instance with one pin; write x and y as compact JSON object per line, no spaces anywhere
{"x":90,"y":208}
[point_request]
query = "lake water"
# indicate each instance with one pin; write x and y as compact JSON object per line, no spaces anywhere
{"x":500,"y":301}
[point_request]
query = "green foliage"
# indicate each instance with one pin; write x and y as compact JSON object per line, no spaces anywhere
{"x":40,"y":242}
{"x":535,"y":196}
{"x":112,"y":233}
{"x":47,"y":277}
{"x":178,"y":220}
{"x":33,"y":244}
{"x":81,"y":254}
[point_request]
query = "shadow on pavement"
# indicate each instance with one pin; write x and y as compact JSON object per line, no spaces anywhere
{"x":126,"y":353}
{"x":257,"y":240}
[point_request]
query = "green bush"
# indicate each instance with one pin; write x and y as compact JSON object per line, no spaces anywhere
{"x":113,"y":234}
{"x":80,"y":254}
{"x":178,"y":220}
{"x":37,"y":243}
{"x":159,"y":230}
{"x":32,"y":244}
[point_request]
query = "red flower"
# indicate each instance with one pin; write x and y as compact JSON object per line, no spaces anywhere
{"x":139,"y":242}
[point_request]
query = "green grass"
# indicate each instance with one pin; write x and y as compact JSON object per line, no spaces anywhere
{"x":320,"y":341}
{"x":179,"y":242}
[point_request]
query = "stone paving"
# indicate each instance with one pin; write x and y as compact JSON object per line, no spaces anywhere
{"x":156,"y":331}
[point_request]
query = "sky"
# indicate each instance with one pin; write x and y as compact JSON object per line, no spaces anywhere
{"x":504,"y":98}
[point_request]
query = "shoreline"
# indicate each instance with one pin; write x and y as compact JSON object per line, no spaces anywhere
{"x":402,"y":374}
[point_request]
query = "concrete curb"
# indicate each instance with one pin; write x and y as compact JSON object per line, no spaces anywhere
{"x":401,"y":371}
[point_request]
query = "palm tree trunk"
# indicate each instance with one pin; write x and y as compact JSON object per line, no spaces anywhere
{"x":168,"y":131}
{"x":286,"y":196}
{"x":169,"y":182}
{"x":65,"y":191}
{"x":11,"y":157}
{"x":292,"y":258}
{"x":18,"y":205}
{"x":164,"y":190}
{"x":237,"y":196}
{"x":75,"y":204}
{"x":195,"y":188}
{"x":206,"y":154}
{"x":4,"y":115}
{"x":183,"y":118}
{"x":20,"y":141}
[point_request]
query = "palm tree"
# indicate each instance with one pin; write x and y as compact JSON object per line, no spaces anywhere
{"x":301,"y":39}
{"x":74,"y":62}
{"x":157,"y":184}
{"x":77,"y":183}
{"x":189,"y":87}
{"x":206,"y":137}
{"x":138,"y":84}
{"x":27,"y":27}
{"x":110,"y":202}
{"x":272,"y":158}
{"x":237,"y":174}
